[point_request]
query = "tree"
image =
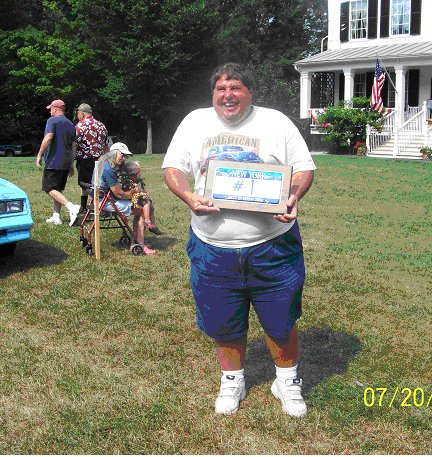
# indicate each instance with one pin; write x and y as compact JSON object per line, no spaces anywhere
{"x":269,"y":36}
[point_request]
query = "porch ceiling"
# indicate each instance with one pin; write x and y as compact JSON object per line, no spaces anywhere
{"x":419,"y":53}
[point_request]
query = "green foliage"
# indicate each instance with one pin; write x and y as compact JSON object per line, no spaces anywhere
{"x":345,"y":123}
{"x":270,"y":36}
{"x":426,"y":150}
{"x":134,"y":60}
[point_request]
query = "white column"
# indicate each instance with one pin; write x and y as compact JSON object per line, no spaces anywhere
{"x":400,"y":93}
{"x":305,"y":94}
{"x":349,"y":84}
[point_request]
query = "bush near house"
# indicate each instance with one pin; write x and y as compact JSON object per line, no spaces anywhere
{"x":345,"y":123}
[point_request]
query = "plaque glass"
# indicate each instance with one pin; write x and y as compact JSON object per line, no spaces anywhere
{"x":248,"y":186}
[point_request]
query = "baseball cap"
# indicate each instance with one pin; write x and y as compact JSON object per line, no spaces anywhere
{"x":56,"y":104}
{"x":120,"y":147}
{"x":85,"y":108}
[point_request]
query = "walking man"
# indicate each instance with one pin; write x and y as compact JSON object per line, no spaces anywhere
{"x":237,"y":257}
{"x":57,"y":150}
{"x":91,"y":143}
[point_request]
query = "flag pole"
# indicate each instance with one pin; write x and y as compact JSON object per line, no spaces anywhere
{"x":387,"y":73}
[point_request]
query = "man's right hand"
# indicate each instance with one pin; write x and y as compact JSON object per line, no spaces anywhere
{"x":201,"y":206}
{"x":39,"y":161}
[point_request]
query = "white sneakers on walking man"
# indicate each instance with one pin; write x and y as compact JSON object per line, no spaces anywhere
{"x":233,"y":391}
{"x":73,"y":214}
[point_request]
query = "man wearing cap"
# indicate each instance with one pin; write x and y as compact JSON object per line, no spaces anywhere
{"x":91,"y":143}
{"x":57,"y":149}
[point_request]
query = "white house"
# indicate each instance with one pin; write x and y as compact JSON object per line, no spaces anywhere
{"x":399,"y":33}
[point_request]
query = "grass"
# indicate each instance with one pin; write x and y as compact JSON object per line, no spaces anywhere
{"x":104,"y":357}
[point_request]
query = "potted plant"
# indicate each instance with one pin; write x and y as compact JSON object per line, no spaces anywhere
{"x":426,"y":152}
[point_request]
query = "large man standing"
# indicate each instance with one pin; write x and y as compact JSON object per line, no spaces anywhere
{"x":240,"y":257}
{"x":91,"y":143}
{"x":57,"y":149}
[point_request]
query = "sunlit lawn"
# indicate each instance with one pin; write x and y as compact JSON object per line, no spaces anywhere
{"x":104,"y":357}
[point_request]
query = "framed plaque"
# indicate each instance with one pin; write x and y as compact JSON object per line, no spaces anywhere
{"x":248,"y":186}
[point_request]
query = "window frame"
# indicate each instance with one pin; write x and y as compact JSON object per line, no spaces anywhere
{"x":356,"y":21}
{"x":393,"y":15}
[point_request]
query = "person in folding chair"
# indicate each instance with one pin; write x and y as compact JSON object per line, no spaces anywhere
{"x":113,"y":162}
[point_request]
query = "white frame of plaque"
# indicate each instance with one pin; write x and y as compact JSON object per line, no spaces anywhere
{"x":248,"y":186}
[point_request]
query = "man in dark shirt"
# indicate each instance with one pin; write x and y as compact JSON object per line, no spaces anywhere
{"x":57,"y":149}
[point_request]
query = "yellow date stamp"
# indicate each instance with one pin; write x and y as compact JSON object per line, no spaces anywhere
{"x":404,"y":397}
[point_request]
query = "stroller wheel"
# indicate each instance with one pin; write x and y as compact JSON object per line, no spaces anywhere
{"x":83,"y":241}
{"x":137,"y":249}
{"x":125,"y":240}
{"x":89,"y":249}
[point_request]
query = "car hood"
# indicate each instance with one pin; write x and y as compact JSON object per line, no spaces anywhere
{"x":9,"y":190}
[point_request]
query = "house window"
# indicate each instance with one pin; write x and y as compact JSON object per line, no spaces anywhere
{"x":400,"y":17}
{"x":360,"y":85}
{"x":358,"y":19}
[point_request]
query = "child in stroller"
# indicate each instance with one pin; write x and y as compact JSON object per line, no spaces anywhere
{"x":130,"y":178}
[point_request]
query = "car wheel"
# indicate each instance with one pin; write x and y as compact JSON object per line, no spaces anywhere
{"x":9,"y":153}
{"x":7,"y":249}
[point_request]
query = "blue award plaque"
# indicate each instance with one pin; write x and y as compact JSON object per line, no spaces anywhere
{"x":248,"y":186}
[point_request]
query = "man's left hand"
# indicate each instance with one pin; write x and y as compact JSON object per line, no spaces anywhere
{"x":71,"y":171}
{"x":291,"y":214}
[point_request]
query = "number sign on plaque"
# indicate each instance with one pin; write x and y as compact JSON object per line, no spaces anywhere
{"x":248,"y":186}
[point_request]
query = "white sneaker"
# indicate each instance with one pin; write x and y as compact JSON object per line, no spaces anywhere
{"x":54,"y":219}
{"x":73,"y":213}
{"x":232,"y":392}
{"x":288,"y":391}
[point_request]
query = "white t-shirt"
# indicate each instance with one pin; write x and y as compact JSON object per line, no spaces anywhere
{"x":266,"y":133}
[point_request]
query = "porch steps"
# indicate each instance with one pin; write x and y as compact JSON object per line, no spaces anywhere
{"x":412,"y":151}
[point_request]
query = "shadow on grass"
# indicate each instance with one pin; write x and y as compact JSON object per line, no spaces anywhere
{"x":323,"y":353}
{"x":30,"y":254}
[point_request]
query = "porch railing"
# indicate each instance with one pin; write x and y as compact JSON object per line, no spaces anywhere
{"x":375,"y":138}
{"x":402,"y":135}
{"x":409,"y":131}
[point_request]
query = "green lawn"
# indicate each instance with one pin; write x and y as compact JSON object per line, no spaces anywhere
{"x":104,"y":357}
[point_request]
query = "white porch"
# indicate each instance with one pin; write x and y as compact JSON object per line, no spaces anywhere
{"x":343,"y":74}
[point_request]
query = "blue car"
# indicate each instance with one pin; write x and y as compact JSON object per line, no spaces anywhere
{"x":15,"y":217}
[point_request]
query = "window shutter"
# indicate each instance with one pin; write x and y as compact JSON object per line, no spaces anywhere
{"x":342,"y":86}
{"x":385,"y":18}
{"x":344,"y":21}
{"x":369,"y":82}
{"x":413,"y":87}
{"x":415,"y":17}
{"x":372,"y":18}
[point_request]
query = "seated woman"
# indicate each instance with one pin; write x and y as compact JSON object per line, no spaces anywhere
{"x":131,"y":177}
{"x":113,"y":162}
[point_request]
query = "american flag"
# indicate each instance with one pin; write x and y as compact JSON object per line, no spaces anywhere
{"x":376,"y":102}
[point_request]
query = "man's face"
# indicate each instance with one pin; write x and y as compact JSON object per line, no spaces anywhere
{"x":232,"y":100}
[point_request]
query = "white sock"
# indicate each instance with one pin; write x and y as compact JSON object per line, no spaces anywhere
{"x":286,"y":373}
{"x":238,"y":373}
{"x":56,"y":215}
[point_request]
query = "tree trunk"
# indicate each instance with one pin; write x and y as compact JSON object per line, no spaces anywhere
{"x":149,"y":150}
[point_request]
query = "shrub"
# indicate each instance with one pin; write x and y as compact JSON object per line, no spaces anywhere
{"x":345,"y":124}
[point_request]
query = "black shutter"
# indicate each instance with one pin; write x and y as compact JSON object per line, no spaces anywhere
{"x":413,"y":87}
{"x":372,"y":18}
{"x":385,"y":18}
{"x":344,"y":21}
{"x":415,"y":17}
{"x":342,"y":86}
{"x":369,"y":82}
